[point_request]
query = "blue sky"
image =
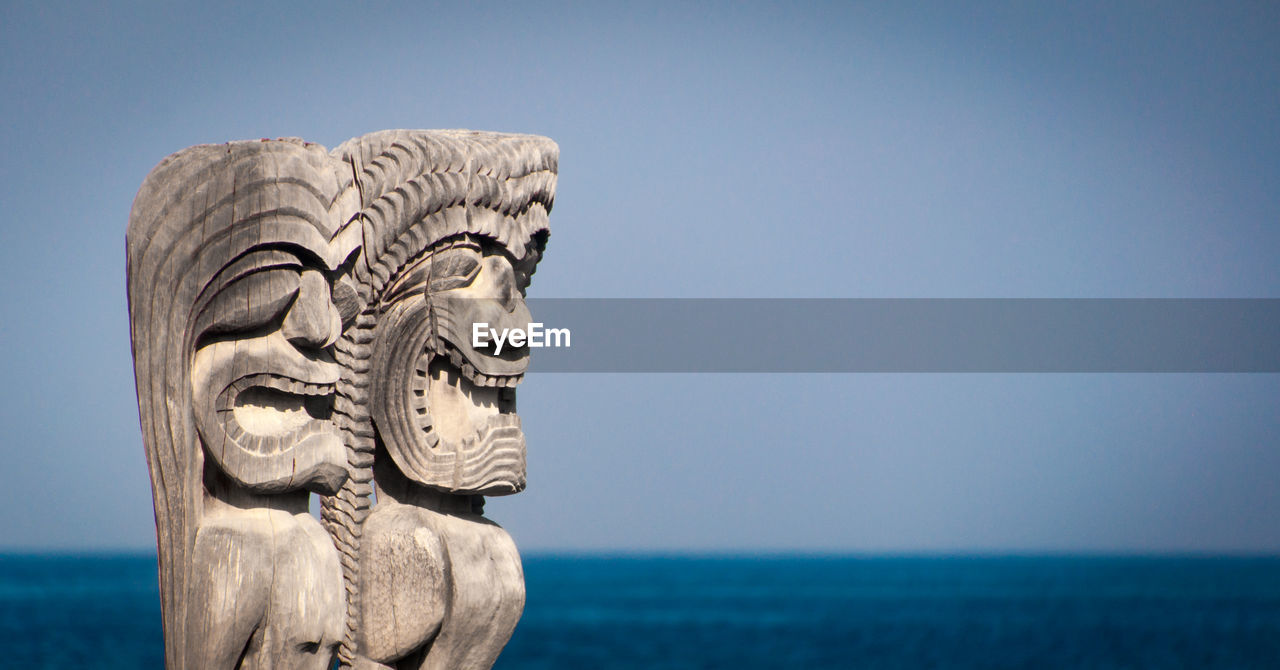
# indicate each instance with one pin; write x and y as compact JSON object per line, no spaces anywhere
{"x":717,"y":150}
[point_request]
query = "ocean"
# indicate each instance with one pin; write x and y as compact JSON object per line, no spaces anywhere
{"x":632,"y":612}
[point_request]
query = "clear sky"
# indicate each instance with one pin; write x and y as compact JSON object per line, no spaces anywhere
{"x":724,"y":150}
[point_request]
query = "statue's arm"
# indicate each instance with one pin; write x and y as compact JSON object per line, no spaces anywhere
{"x":227,"y":593}
{"x":403,"y":584}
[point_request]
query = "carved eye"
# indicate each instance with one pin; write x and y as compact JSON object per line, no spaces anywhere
{"x":309,"y":647}
{"x":250,"y":302}
{"x":449,"y":268}
{"x":454,"y":268}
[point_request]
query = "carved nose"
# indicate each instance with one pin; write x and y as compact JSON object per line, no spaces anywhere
{"x":502,"y":279}
{"x":313,"y":321}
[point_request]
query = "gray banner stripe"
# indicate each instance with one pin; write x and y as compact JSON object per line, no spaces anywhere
{"x":911,"y":335}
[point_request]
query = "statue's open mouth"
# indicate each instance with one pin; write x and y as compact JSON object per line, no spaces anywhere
{"x":472,"y":416}
{"x":267,"y":413}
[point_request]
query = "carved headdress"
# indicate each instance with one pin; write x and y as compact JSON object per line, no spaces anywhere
{"x":219,"y":240}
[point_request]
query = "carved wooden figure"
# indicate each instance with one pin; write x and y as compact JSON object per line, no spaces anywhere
{"x":455,"y":223}
{"x":236,"y":252}
{"x":301,"y":323}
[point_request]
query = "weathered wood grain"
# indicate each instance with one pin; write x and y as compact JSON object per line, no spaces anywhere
{"x":298,"y":323}
{"x":233,"y":250}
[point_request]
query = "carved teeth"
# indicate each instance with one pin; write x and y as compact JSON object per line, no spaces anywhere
{"x":501,"y":421}
{"x":286,"y":385}
{"x":297,"y":387}
{"x":460,"y":363}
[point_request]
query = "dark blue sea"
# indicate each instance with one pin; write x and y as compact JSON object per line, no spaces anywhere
{"x":605,"y":613}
